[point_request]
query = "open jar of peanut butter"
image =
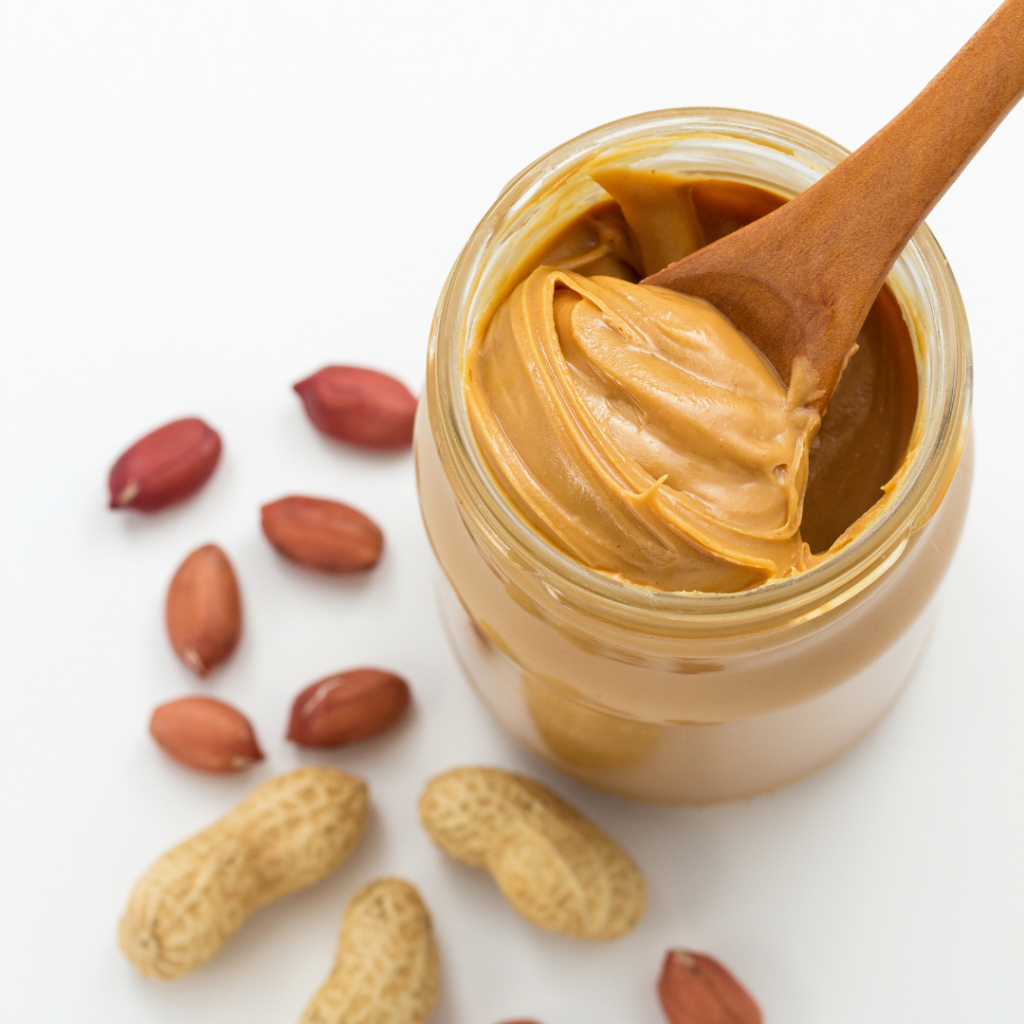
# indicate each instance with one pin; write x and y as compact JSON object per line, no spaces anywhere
{"x":698,"y":695}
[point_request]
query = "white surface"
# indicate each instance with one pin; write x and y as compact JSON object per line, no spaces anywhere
{"x":201,"y":202}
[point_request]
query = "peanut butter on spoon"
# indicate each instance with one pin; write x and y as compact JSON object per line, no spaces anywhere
{"x":799,"y":283}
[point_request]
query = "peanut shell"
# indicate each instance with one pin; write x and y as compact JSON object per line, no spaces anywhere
{"x":287,"y":834}
{"x":386,"y":970}
{"x":555,"y":867}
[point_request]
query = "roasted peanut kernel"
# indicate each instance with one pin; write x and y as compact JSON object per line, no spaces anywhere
{"x":204,"y":609}
{"x":347,"y":707}
{"x":205,"y":734}
{"x":363,"y":407}
{"x":165,"y":466}
{"x":696,"y":989}
{"x":322,"y":534}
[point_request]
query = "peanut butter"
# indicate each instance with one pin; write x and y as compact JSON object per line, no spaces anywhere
{"x":681,"y":696}
{"x":641,"y":433}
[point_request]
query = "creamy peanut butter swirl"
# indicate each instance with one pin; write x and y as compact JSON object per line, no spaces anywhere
{"x":640,"y":432}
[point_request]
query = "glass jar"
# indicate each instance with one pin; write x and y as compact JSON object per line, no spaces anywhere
{"x":687,"y":697}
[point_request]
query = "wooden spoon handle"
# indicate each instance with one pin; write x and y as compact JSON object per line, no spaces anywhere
{"x":888,"y":186}
{"x":828,"y":251}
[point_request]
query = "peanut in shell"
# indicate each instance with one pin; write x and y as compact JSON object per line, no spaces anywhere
{"x":555,"y":867}
{"x":287,"y":834}
{"x":386,"y":970}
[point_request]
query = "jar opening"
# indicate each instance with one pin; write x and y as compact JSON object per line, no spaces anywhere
{"x":741,"y":146}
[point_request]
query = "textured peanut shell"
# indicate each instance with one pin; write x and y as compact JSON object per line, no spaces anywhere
{"x":288,"y":833}
{"x":557,"y":868}
{"x":386,"y":970}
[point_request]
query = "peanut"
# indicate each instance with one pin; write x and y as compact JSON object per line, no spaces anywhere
{"x":347,"y":707}
{"x":287,"y":834}
{"x":205,"y":734}
{"x":363,"y":407}
{"x":166,"y":465}
{"x":322,"y":534}
{"x":386,"y":970}
{"x":204,"y":609}
{"x":552,"y":864}
{"x":697,"y":989}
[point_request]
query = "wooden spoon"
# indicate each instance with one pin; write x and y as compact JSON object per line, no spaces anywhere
{"x":800,"y":281}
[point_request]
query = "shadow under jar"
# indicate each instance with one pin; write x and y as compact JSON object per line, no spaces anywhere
{"x":691,"y":697}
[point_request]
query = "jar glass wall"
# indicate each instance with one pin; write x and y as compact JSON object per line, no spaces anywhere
{"x":687,"y":697}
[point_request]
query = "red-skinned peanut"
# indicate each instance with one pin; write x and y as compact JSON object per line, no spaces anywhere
{"x":696,"y":989}
{"x":347,"y":707}
{"x":205,"y":734}
{"x":204,"y":609}
{"x":165,"y":466}
{"x":322,"y":534}
{"x":360,"y":406}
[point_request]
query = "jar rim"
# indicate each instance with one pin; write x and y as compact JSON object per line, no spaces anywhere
{"x":939,"y":434}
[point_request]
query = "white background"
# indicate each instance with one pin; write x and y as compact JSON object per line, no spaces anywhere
{"x":200,"y":203}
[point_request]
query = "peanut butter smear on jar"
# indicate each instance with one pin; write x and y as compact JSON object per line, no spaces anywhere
{"x":636,"y":428}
